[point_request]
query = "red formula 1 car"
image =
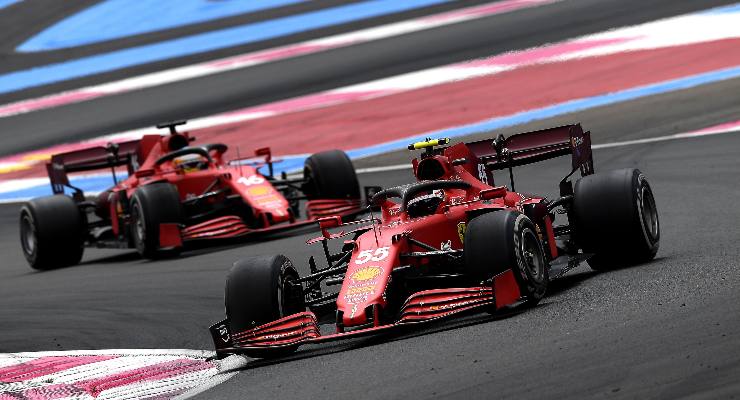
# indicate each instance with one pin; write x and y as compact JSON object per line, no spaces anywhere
{"x":175,"y":193}
{"x":450,"y":243}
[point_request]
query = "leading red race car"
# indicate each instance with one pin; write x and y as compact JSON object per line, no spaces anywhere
{"x":453,"y":242}
{"x":176,"y":193}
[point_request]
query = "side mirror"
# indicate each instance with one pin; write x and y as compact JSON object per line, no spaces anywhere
{"x":330,"y":222}
{"x":493,"y":193}
{"x":264,"y":151}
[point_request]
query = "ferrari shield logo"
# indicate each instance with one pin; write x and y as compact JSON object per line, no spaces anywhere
{"x":461,"y":231}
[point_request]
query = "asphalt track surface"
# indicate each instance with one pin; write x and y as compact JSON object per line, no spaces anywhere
{"x":667,"y":329}
{"x":331,"y":69}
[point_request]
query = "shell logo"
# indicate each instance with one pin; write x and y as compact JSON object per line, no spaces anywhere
{"x":258,"y":190}
{"x":365,"y":274}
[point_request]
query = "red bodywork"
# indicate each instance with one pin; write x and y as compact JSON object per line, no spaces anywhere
{"x":387,"y":254}
{"x":238,"y":182}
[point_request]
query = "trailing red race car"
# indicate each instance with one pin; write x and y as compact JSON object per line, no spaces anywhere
{"x":453,"y":242}
{"x":176,"y":193}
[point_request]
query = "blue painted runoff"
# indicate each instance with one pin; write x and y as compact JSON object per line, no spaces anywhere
{"x":5,"y":3}
{"x":204,"y":42}
{"x":724,"y":10}
{"x":293,"y":164}
{"x":115,"y":19}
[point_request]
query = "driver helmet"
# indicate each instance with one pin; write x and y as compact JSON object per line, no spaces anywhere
{"x":425,"y":204}
{"x":190,"y":163}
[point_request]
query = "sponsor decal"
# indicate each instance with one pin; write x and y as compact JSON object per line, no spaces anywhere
{"x":575,"y":143}
{"x":482,"y":175}
{"x":446,"y":246}
{"x":275,"y":336}
{"x":363,"y":284}
{"x":461,"y":228}
{"x":366,"y":274}
{"x":252,"y":180}
{"x":223,"y":332}
{"x":258,"y":190}
{"x":451,"y":306}
{"x":378,"y":254}
{"x":269,"y":201}
{"x":360,"y":289}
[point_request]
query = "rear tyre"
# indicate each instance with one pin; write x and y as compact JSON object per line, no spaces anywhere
{"x":152,"y":205}
{"x":52,"y":232}
{"x":501,"y":240}
{"x":261,"y":290}
{"x":330,"y":175}
{"x":616,"y":219}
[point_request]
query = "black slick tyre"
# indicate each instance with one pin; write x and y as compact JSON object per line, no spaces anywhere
{"x":330,"y":175}
{"x":52,"y":232}
{"x":501,"y":240}
{"x":152,"y":205}
{"x":261,"y":290}
{"x":616,"y":219}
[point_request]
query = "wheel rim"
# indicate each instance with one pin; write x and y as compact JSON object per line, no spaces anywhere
{"x":311,"y":183}
{"x":139,"y":227}
{"x":532,"y":255}
{"x":649,"y":213}
{"x":28,"y":235}
{"x":289,"y":296}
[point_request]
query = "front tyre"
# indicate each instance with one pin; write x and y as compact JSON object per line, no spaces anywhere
{"x":261,"y":290}
{"x":152,"y":205}
{"x":52,"y":232}
{"x":501,"y":240}
{"x":330,"y":175}
{"x":616,"y":219}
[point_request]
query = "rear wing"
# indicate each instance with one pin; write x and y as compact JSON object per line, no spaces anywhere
{"x":94,"y":158}
{"x":531,"y":147}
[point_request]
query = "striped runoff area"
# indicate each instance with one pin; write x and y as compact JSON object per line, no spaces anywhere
{"x":116,"y":19}
{"x":265,"y":56}
{"x":456,"y":100}
{"x":112,"y":374}
{"x":205,"y":42}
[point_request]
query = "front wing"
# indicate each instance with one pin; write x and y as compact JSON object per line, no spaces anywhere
{"x":232,"y":226}
{"x":421,"y":307}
